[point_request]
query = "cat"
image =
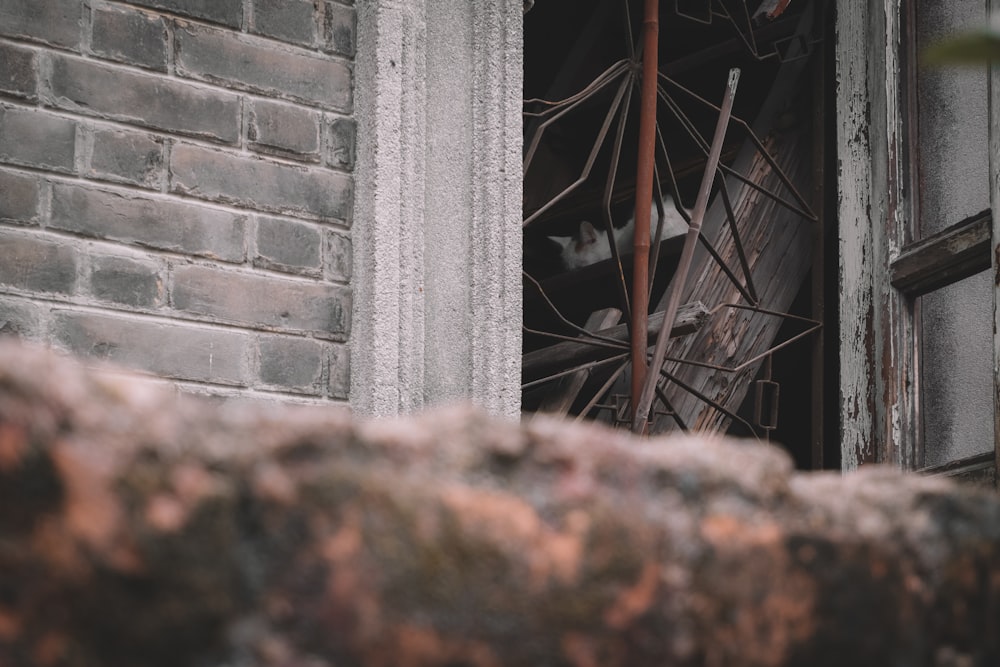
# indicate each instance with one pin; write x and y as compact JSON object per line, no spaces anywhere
{"x":590,"y":245}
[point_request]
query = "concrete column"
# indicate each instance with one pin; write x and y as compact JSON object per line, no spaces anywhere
{"x":438,"y":203}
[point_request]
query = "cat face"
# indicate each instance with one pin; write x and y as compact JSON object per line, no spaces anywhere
{"x":590,"y":245}
{"x":587,"y":246}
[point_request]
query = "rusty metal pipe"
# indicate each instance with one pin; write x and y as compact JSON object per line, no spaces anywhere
{"x":644,"y":195}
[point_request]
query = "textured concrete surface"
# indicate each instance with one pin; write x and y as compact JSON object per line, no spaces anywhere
{"x":437,"y":209}
{"x":953,"y":119}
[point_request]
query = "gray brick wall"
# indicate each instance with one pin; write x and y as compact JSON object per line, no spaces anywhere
{"x":176,"y":188}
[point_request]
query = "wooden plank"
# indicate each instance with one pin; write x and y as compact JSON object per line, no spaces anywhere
{"x":560,"y":398}
{"x":952,"y":254}
{"x":778,"y":244}
{"x":561,"y":356}
{"x":978,"y":470}
{"x":897,"y":432}
{"x":857,"y":376}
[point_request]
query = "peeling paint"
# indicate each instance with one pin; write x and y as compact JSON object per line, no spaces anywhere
{"x":878,"y":407}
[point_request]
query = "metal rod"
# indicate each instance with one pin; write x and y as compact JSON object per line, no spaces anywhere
{"x":813,"y":327}
{"x":645,"y":402}
{"x":600,"y":80}
{"x":574,"y":339}
{"x":737,"y":241}
{"x":562,"y":318}
{"x":749,"y":293}
{"x":670,"y":408}
{"x":715,"y":404}
{"x":803,"y":208}
{"x":596,"y":86}
{"x":626,"y":305}
{"x":591,"y":159}
{"x":574,"y":369}
{"x":644,"y":195}
{"x":603,"y":390}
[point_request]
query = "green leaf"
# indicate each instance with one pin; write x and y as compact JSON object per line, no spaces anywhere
{"x":976,"y":47}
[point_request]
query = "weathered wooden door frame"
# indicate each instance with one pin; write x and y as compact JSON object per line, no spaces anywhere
{"x":879,"y":334}
{"x":878,"y":411}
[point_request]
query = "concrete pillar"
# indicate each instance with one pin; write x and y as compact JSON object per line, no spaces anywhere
{"x":437,"y":308}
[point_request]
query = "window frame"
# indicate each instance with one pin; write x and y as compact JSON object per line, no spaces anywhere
{"x":882,"y":270}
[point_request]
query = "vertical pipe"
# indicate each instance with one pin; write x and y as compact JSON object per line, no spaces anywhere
{"x":644,"y":196}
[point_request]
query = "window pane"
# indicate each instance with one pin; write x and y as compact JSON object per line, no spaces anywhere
{"x":953,"y":122}
{"x":957,"y":370}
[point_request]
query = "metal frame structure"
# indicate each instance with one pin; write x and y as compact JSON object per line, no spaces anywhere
{"x":655,"y":169}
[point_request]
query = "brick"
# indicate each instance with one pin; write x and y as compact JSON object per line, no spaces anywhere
{"x":177,"y":351}
{"x":18,"y":72}
{"x":286,"y":245}
{"x":262,"y":301}
{"x":132,"y":37}
{"x":339,"y":29}
{"x":21,"y":318}
{"x":340,"y":371}
{"x":37,"y":139}
{"x":288,"y":20}
{"x":339,"y":256}
{"x":55,"y":22}
{"x":126,"y":157}
{"x":259,"y":184}
{"x":126,"y":281}
{"x":341,"y":143}
{"x":149,"y":100}
{"x":256,"y":65}
{"x":18,"y":197}
{"x":179,"y":227}
{"x":283,"y":129}
{"x":226,"y":12}
{"x":37,"y":264}
{"x":293,"y":364}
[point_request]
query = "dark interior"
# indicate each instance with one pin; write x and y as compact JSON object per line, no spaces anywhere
{"x":568,"y":44}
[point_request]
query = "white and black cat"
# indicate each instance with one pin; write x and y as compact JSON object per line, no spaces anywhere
{"x":590,"y":245}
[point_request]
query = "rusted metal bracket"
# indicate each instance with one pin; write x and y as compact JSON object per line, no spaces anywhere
{"x":765,"y":405}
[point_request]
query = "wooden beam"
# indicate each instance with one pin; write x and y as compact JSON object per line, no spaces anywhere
{"x":978,"y":470}
{"x":558,"y":357}
{"x":879,"y":417}
{"x":560,"y":398}
{"x":895,"y":342}
{"x":952,"y":254}
{"x":778,"y":243}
